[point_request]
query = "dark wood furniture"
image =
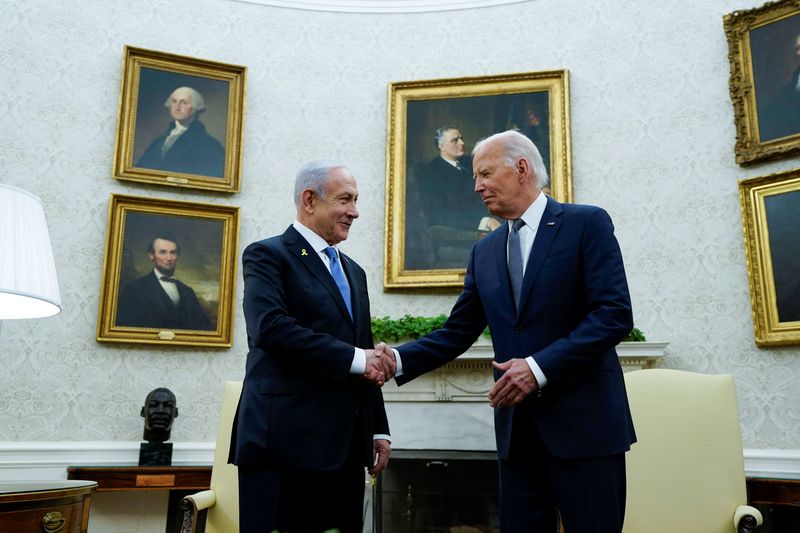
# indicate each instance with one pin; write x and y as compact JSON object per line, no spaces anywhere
{"x":45,"y":506}
{"x":779,"y":503}
{"x":178,"y":480}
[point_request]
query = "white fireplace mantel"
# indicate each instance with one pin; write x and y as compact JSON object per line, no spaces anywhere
{"x":469,"y":378}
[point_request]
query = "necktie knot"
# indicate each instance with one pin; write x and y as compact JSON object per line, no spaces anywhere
{"x":167,"y":278}
{"x":518,"y":223}
{"x":330,"y":251}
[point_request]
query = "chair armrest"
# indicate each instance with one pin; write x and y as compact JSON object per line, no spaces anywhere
{"x":746,"y":519}
{"x":192,"y":504}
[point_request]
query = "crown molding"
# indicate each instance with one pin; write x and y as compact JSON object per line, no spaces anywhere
{"x":382,"y":6}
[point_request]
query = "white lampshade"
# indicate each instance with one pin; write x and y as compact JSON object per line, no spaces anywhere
{"x":28,"y":282}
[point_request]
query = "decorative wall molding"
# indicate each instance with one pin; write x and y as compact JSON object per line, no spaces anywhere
{"x":382,"y":6}
{"x":35,"y":461}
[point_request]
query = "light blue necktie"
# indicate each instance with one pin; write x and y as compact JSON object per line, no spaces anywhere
{"x":515,"y":260}
{"x":339,"y":278}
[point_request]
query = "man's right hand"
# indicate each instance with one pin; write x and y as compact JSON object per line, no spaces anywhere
{"x":380,"y":364}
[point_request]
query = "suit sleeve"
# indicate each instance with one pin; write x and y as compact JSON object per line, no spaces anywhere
{"x":273,"y":329}
{"x":466,"y":322}
{"x":608,"y":316}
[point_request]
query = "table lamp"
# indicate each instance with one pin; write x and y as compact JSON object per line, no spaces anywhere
{"x":28,"y":282}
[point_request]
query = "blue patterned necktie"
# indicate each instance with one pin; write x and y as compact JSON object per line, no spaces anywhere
{"x":515,"y":260}
{"x":339,"y":278}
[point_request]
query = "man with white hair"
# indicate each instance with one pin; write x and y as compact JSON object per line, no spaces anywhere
{"x":551,"y":285}
{"x":185,"y":146}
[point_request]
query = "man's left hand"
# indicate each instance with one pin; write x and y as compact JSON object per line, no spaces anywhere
{"x":381,"y":450}
{"x":516,"y":383}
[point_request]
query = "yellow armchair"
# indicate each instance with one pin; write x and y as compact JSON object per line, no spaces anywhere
{"x":221,"y":501}
{"x":686,"y":472}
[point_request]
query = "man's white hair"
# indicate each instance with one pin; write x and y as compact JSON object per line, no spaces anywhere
{"x":198,"y":104}
{"x":517,"y":146}
{"x":313,"y":175}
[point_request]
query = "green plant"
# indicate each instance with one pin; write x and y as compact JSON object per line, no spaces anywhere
{"x":414,"y":327}
{"x":635,"y":335}
{"x":410,"y":327}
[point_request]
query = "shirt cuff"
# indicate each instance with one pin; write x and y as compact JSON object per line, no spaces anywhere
{"x":382,"y":436}
{"x":399,"y":371}
{"x":537,"y":372}
{"x":359,"y":365}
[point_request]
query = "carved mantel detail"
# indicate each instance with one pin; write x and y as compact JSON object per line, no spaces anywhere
{"x":469,"y":378}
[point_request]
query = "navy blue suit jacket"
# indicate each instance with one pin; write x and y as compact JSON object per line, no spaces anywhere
{"x":574,"y":309}
{"x":300,"y":406}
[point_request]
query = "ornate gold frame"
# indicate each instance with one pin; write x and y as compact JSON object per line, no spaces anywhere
{"x":749,"y":149}
{"x":769,"y":330}
{"x":556,"y":86}
{"x":234,"y":76}
{"x":185,"y":215}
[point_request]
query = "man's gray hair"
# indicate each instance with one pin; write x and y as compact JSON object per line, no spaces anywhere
{"x":438,"y":135}
{"x":517,"y":146}
{"x":198,"y":104}
{"x":313,"y":175}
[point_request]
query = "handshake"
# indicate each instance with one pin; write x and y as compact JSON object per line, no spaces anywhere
{"x":381,"y":364}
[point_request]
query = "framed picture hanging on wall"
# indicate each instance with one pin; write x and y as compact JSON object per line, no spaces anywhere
{"x":180,"y":121}
{"x":764,"y":54}
{"x":168,"y":275}
{"x":433,"y":215}
{"x":771,"y":217}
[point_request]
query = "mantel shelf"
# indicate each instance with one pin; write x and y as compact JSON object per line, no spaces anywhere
{"x":469,"y":378}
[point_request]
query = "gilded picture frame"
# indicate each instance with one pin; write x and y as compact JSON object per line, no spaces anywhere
{"x":764,"y":55}
{"x":771,"y":218}
{"x":168,"y":273}
{"x":433,"y":217}
{"x":198,"y":145}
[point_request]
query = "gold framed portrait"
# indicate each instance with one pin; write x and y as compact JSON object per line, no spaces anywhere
{"x":771,"y":218}
{"x":764,"y":55}
{"x":433,"y":215}
{"x":168,"y":272}
{"x":180,"y":121}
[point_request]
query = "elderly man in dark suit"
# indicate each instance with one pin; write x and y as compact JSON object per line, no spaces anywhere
{"x":185,"y":146}
{"x":158,"y":299}
{"x":551,"y":286}
{"x":311,"y":415}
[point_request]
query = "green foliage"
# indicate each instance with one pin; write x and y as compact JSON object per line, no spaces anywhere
{"x":414,"y":327}
{"x":408,"y":327}
{"x":635,"y":335}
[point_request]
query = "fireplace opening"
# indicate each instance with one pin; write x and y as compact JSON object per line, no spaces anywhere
{"x":436,"y":491}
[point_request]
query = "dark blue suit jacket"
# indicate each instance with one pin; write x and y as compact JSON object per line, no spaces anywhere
{"x":574,"y":309}
{"x":300,"y":406}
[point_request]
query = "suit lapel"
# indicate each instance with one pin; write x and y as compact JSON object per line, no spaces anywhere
{"x":306,"y":255}
{"x":545,"y":235}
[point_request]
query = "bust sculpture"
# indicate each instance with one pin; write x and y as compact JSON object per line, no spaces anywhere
{"x":159,"y":411}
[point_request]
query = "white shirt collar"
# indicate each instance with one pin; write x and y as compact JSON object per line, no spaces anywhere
{"x":454,"y":164}
{"x":316,"y":242}
{"x":533,"y":215}
{"x":178,"y":129}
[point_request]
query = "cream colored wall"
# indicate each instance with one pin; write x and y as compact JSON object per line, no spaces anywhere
{"x":652,"y":138}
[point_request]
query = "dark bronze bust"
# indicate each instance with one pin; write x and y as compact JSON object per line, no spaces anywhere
{"x":159,"y":411}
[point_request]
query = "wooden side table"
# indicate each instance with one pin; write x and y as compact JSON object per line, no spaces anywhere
{"x":45,"y":506}
{"x":178,"y":480}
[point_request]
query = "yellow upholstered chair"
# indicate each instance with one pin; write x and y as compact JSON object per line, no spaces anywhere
{"x":686,"y":472}
{"x":222,"y":498}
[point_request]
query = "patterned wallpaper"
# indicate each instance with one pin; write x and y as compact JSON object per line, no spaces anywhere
{"x":652,"y":138}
